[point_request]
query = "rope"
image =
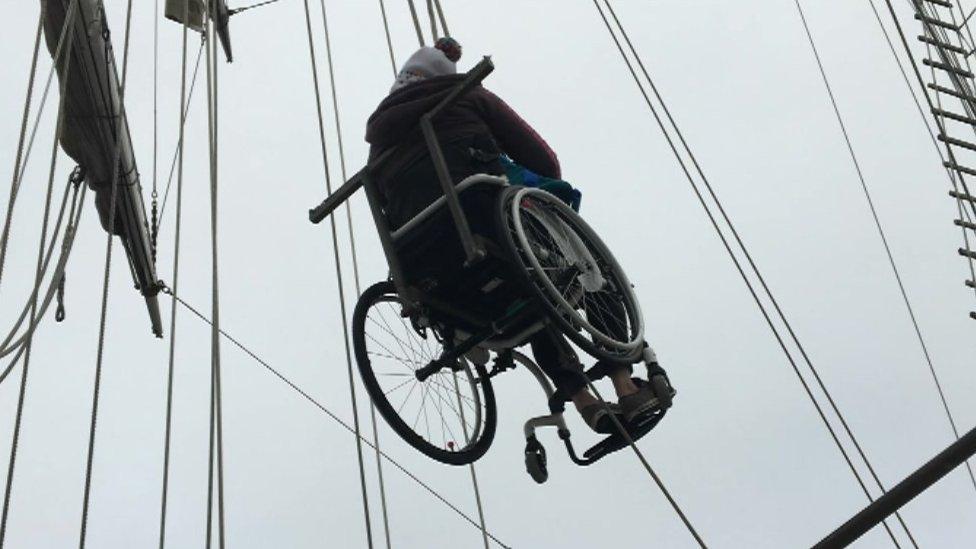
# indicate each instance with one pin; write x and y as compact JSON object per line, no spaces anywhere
{"x":281,"y":377}
{"x":251,"y":7}
{"x":433,"y":21}
{"x":66,"y":245}
{"x":154,"y":222}
{"x":440,"y":13}
{"x":877,"y":220}
{"x":184,"y":116}
{"x":339,"y":282}
{"x":108,"y":263}
{"x":726,"y":243}
{"x":21,"y":164}
{"x":884,"y":241}
{"x":176,"y":271}
{"x":355,"y":270}
{"x":38,"y":275}
{"x":38,"y":278}
{"x":216,"y":422}
{"x":20,"y":151}
{"x":416,"y":22}
{"x":7,"y":347}
{"x":389,"y":41}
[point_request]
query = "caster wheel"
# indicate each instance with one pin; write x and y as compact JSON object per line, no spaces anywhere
{"x":535,"y":461}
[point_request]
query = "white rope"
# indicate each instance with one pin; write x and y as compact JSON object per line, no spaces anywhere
{"x":108,"y":264}
{"x":42,"y":262}
{"x":440,"y":14}
{"x":20,"y":150}
{"x":338,"y":266}
{"x":389,"y":41}
{"x":332,"y":415}
{"x":181,"y":112}
{"x":22,"y":163}
{"x":433,"y":21}
{"x":216,"y":407}
{"x":416,"y":22}
{"x":355,"y":270}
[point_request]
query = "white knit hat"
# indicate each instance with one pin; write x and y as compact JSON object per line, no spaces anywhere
{"x":428,"y":62}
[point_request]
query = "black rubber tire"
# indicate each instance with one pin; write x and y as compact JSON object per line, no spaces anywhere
{"x":389,"y":413}
{"x":595,"y":246}
{"x":536,"y":463}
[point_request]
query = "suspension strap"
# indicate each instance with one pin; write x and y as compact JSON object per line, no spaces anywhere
{"x":416,"y":23}
{"x":108,"y":264}
{"x":339,"y":281}
{"x":178,"y":158}
{"x":216,"y":419}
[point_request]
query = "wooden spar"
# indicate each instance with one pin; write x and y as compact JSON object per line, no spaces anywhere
{"x":90,"y":136}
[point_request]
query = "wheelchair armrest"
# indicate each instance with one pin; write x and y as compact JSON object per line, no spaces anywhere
{"x":441,"y":202}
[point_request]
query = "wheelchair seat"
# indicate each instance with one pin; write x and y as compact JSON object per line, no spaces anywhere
{"x":468,"y":298}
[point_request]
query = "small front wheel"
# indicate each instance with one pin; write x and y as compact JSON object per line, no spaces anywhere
{"x":450,"y":415}
{"x":535,"y":461}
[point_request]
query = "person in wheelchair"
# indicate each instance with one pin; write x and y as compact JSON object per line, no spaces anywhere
{"x":474,"y":132}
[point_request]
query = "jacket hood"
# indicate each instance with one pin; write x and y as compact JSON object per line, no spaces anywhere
{"x":398,"y":114}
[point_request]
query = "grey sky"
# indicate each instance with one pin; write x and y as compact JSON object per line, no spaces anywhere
{"x":743,"y":450}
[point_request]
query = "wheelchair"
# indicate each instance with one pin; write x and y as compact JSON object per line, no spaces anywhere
{"x":458,"y":303}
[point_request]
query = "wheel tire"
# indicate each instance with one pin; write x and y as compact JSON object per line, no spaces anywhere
{"x":595,"y":246}
{"x":470,"y":453}
{"x":536,"y":461}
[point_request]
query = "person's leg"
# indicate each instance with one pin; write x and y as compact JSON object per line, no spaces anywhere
{"x":559,"y":362}
{"x":607,"y":317}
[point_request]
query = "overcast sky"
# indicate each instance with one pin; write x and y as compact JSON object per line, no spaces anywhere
{"x":743,"y":450}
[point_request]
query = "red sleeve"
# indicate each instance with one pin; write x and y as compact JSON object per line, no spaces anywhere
{"x":517,"y":139}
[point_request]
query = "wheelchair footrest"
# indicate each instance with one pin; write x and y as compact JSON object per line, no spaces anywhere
{"x":636,"y":429}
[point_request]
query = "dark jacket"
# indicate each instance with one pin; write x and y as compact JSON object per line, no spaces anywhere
{"x":479,"y":120}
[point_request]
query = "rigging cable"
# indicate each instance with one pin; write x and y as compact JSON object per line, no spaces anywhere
{"x":962,"y":211}
{"x":333,"y":416}
{"x":355,"y":270}
{"x":154,"y":222}
{"x":181,"y":112}
{"x":108,"y":257}
{"x":882,"y":234}
{"x":185,"y":115}
{"x":39,"y":271}
{"x":440,"y":14}
{"x":20,"y":164}
{"x":727,"y":245}
{"x":235,"y":11}
{"x":416,"y":22}
{"x":338,"y":266}
{"x":58,"y":274}
{"x":20,"y":150}
{"x":389,"y":42}
{"x":6,"y":349}
{"x":433,"y":21}
{"x":216,"y":405}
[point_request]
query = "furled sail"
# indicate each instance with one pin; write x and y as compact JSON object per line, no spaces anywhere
{"x":192,"y":12}
{"x":91,"y":135}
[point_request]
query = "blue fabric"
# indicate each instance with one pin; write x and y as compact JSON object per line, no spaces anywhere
{"x":520,"y":175}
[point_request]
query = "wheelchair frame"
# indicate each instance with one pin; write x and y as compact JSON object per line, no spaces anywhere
{"x":413,"y":297}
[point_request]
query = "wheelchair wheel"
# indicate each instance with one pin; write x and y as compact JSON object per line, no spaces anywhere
{"x":451,"y":416}
{"x":573,"y":273}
